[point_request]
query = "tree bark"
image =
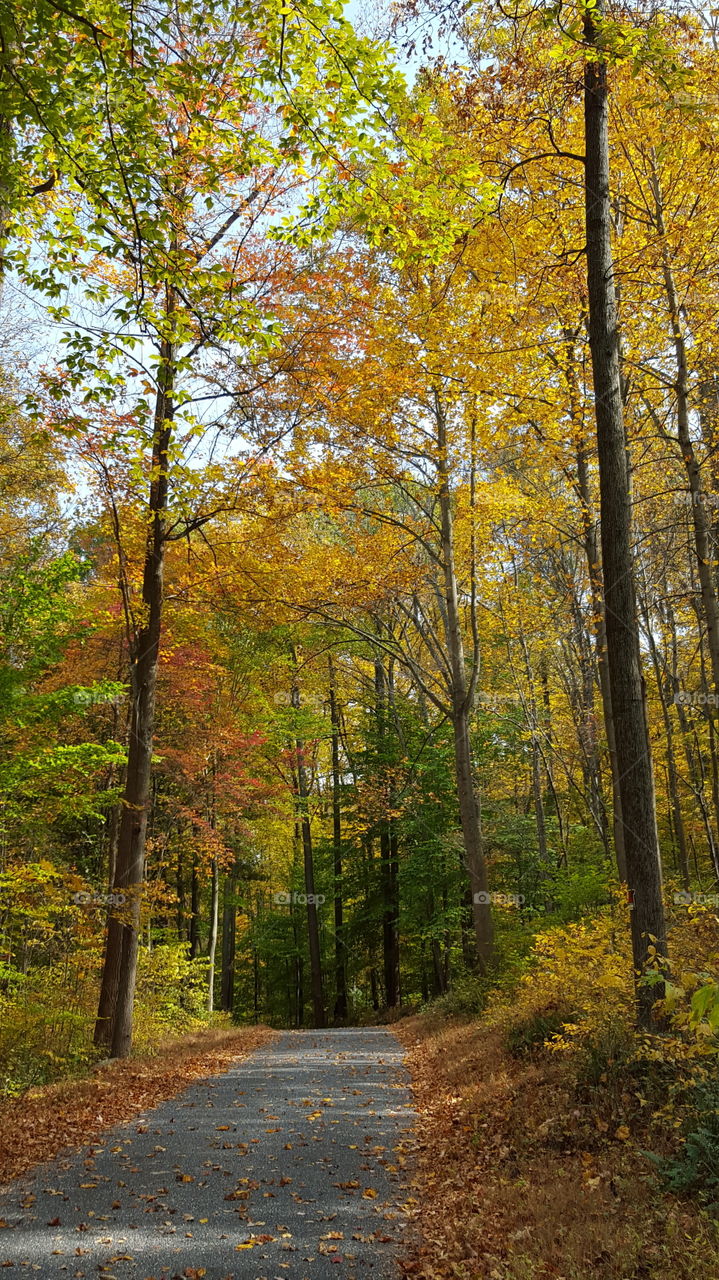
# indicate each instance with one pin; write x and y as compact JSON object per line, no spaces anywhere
{"x":701,"y":522}
{"x":387,"y":848}
{"x":462,"y":694}
{"x":340,"y":1009}
{"x":636,"y":783}
{"x":229,"y":921}
{"x":596,"y":587}
{"x":193,"y":933}
{"x":123,"y":934}
{"x":212,"y":940}
{"x":313,"y":932}
{"x":672,"y":773}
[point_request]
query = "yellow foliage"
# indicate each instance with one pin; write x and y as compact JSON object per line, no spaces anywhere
{"x":583,"y":969}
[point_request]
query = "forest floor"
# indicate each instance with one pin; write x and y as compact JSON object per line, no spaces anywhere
{"x":521,"y":1176}
{"x":289,"y":1163}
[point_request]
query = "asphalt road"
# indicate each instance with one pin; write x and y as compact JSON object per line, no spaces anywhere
{"x":285,"y":1166}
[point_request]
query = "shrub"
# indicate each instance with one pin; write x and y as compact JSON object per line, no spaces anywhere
{"x":605,"y":1057}
{"x":465,"y":999}
{"x":46,"y":1021}
{"x":171,"y":994}
{"x":694,"y":1168}
{"x":534,"y":1031}
{"x":580,"y":973}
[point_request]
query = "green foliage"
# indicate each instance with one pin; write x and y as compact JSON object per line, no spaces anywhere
{"x":46,"y":1022}
{"x":533,"y":1032}
{"x":694,"y":1168}
{"x":35,"y":610}
{"x":465,"y":1000}
{"x":171,"y":994}
{"x":47,"y":1014}
{"x":606,"y":1055}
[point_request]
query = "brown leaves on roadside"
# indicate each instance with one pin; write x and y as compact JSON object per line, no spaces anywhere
{"x":506,"y":1184}
{"x":34,"y":1127}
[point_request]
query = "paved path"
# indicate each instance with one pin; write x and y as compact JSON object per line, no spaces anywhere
{"x":283,"y":1168}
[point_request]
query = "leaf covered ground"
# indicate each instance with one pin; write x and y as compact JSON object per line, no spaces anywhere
{"x":522,"y":1176}
{"x":292,"y":1162}
{"x":44,"y":1121}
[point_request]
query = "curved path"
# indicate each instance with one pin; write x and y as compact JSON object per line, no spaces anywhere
{"x":287,"y":1166}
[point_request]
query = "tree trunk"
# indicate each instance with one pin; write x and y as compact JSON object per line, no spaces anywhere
{"x":340,"y":1009}
{"x":462,"y":692}
{"x":229,"y":922}
{"x":636,"y":783}
{"x":193,"y":936}
{"x":180,"y":882}
{"x":387,"y":848}
{"x":299,"y":970}
{"x":473,"y":843}
{"x":313,"y":932}
{"x":123,"y":938}
{"x":596,"y":587}
{"x":110,"y":981}
{"x":214,"y":893}
{"x":701,"y":522}
{"x":692,"y":750}
{"x":672,"y":774}
{"x":212,"y":941}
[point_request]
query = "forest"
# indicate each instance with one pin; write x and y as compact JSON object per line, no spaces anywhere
{"x":359,"y":576}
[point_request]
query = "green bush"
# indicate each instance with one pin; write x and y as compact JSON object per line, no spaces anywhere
{"x":606,"y":1056}
{"x":465,"y":999}
{"x":533,"y":1032}
{"x":46,"y":1025}
{"x":694,"y":1168}
{"x":171,"y":994}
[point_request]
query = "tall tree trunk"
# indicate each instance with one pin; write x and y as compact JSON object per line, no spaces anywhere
{"x":591,"y":551}
{"x":123,"y":933}
{"x":212,"y":940}
{"x":110,"y":980}
{"x":462,"y":696}
{"x":111,"y":968}
{"x":340,"y":1009}
{"x":636,"y":782}
{"x":692,"y":750}
{"x":532,"y":718}
{"x":113,"y":834}
{"x":701,"y":521}
{"x":214,"y":894}
{"x":672,"y":774}
{"x":180,"y":882}
{"x":193,"y":934}
{"x":387,"y":847}
{"x":229,"y":922}
{"x":313,"y":931}
{"x":299,"y":965}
